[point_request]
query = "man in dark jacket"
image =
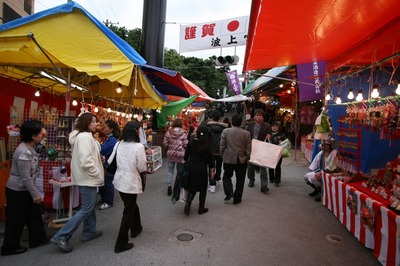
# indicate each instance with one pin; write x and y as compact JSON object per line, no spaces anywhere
{"x":259,"y":130}
{"x":216,"y":129}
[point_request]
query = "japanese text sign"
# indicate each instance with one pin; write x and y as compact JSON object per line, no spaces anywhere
{"x":215,"y":34}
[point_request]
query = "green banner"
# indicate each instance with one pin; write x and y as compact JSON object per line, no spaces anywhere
{"x":173,"y":108}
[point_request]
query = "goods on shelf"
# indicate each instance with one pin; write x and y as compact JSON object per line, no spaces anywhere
{"x":154,"y":158}
{"x":349,"y":148}
{"x":385,"y":183}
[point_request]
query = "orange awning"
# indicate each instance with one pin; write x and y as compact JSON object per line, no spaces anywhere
{"x":340,"y":32}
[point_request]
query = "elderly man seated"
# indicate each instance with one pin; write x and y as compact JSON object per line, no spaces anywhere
{"x":324,"y":160}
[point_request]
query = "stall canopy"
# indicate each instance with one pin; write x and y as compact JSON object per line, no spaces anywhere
{"x":68,"y":42}
{"x":172,"y":83}
{"x":268,"y":76}
{"x":356,"y":32}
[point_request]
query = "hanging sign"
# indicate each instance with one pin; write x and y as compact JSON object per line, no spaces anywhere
{"x":311,"y":73}
{"x":214,"y":34}
{"x":234,"y":82}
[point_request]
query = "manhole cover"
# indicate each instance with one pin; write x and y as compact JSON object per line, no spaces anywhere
{"x":334,"y":238}
{"x":184,"y":237}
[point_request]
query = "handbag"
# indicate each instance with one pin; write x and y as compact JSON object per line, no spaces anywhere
{"x":185,"y":174}
{"x":183,"y":196}
{"x":265,"y":154}
{"x":112,"y":167}
{"x":285,"y":153}
{"x":143,"y":178}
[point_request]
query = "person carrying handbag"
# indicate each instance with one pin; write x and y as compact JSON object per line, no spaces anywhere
{"x":131,"y":162}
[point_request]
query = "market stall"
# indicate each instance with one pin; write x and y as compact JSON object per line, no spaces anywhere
{"x":368,"y":219}
{"x":360,"y":44}
{"x":36,"y":55}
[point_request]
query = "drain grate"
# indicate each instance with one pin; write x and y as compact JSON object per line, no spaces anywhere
{"x":334,"y":238}
{"x":185,"y":237}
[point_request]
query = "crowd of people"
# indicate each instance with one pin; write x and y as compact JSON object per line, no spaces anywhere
{"x":214,"y":151}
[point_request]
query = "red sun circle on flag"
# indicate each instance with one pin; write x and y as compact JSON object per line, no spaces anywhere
{"x":233,"y":25}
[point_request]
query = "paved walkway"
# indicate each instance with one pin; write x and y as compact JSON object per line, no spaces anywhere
{"x":285,"y":227}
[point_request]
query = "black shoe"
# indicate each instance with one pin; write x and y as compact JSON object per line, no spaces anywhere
{"x":186,"y":210}
{"x":42,"y":243}
{"x":5,"y":252}
{"x":169,"y":191}
{"x":135,"y":234}
{"x":202,"y":210}
{"x":318,"y":197}
{"x":127,"y":247}
{"x":237,"y":201}
{"x":314,"y":193}
{"x":264,"y":190}
{"x":251,"y":184}
{"x":277,"y":184}
{"x":228,"y":197}
{"x":271,"y":181}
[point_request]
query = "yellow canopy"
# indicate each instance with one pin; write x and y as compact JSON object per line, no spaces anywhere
{"x":69,"y":43}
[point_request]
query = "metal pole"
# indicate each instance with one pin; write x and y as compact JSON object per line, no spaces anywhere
{"x":68,"y":94}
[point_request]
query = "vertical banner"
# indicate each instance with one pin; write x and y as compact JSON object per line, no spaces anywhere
{"x":234,"y":82}
{"x":311,"y":73}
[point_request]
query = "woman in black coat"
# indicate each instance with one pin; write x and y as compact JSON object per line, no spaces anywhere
{"x":198,"y":154}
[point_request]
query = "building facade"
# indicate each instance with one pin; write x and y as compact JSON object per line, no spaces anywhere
{"x":11,"y":9}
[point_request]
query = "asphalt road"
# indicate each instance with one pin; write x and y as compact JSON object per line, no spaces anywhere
{"x":284,"y":227}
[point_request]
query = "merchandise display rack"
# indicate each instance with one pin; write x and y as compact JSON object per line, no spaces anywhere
{"x":349,"y":147}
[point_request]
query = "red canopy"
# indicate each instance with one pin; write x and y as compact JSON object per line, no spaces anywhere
{"x":356,"y":32}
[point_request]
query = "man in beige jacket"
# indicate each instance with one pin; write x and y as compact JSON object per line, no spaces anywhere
{"x":235,"y":148}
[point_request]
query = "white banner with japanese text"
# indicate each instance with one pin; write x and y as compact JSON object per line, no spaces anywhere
{"x":214,"y":34}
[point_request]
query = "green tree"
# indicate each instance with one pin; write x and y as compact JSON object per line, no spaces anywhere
{"x":132,"y":37}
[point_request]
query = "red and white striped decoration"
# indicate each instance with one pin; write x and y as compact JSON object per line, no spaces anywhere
{"x":385,"y":240}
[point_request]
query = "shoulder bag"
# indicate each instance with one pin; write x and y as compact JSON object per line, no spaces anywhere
{"x":112,"y":167}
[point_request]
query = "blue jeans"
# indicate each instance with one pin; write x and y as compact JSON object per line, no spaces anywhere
{"x":171,"y":168}
{"x":86,"y":214}
{"x":107,"y":191}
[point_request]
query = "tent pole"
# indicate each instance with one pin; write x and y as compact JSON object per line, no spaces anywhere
{"x":67,"y":95}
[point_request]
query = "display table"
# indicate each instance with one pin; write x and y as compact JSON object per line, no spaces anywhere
{"x":346,"y":202}
{"x":307,"y":147}
{"x":63,"y":185}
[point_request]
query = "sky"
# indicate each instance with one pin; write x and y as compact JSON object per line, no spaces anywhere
{"x":128,"y":13}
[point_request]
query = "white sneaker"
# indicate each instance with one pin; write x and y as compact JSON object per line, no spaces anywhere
{"x":104,"y":206}
{"x":211,"y":189}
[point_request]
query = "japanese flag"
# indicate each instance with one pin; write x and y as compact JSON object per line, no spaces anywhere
{"x":234,"y":26}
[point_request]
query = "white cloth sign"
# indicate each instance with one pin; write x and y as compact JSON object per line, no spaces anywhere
{"x":215,"y":34}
